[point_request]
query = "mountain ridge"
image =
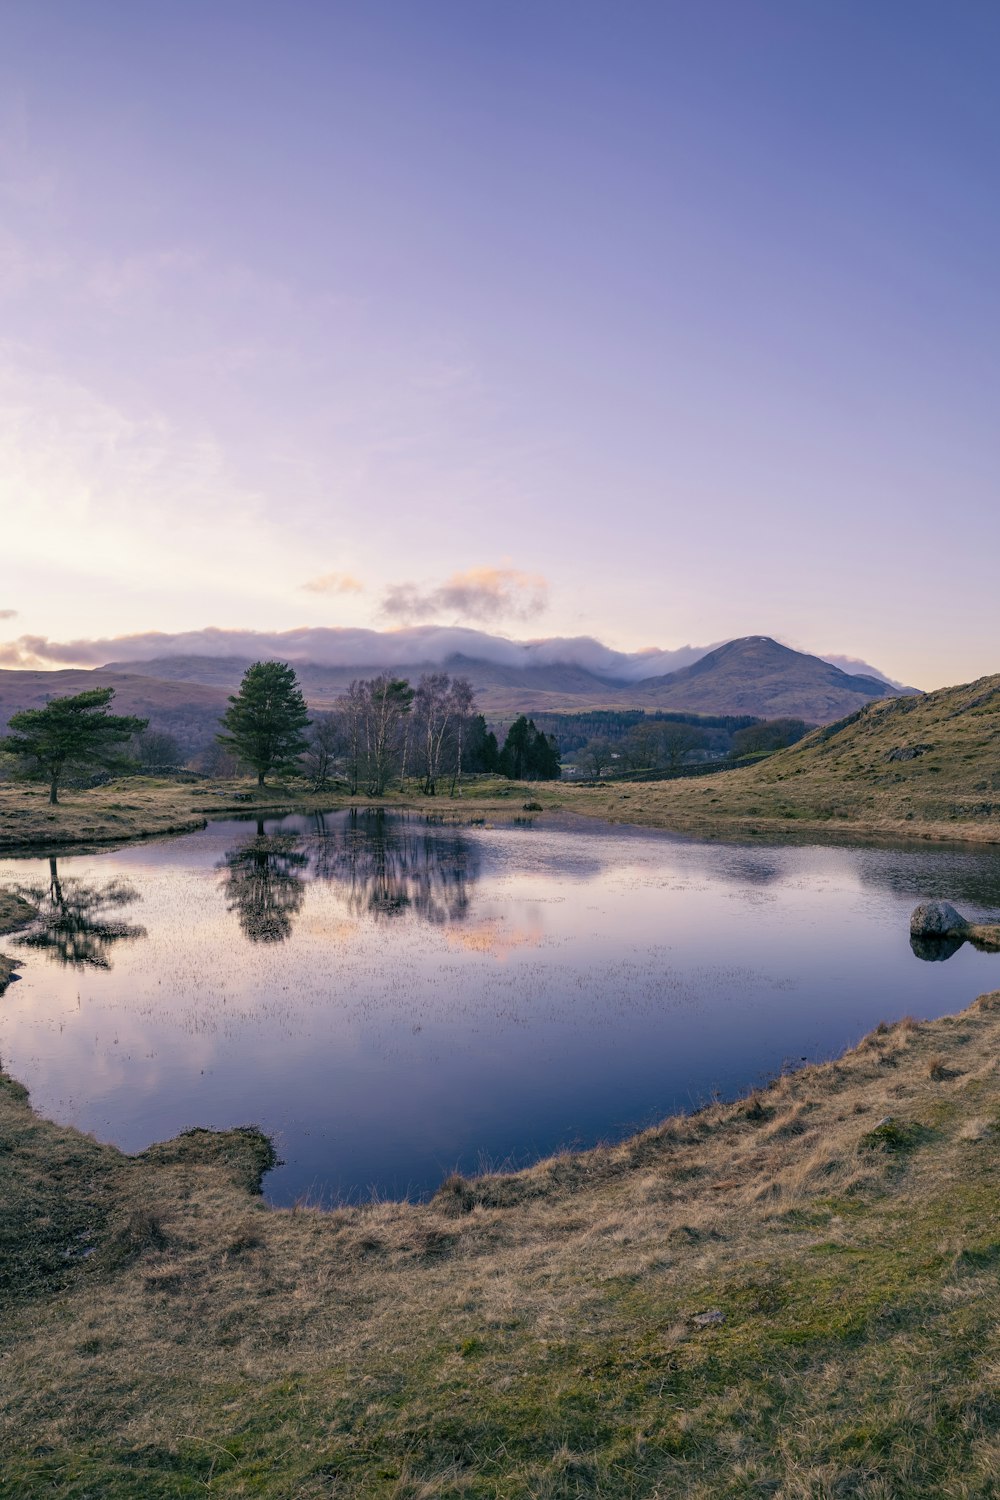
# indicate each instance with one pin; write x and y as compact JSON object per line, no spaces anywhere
{"x":753,"y":675}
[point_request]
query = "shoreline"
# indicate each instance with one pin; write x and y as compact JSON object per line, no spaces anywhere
{"x":103,"y":818}
{"x":833,"y":1230}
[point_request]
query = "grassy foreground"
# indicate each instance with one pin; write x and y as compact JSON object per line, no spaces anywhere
{"x":795,"y":1295}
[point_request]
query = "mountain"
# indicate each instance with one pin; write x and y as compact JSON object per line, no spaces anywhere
{"x":757,"y":675}
{"x":186,"y":694}
{"x":754,"y":675}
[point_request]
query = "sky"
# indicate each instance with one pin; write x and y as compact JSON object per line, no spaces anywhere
{"x":654,"y":322}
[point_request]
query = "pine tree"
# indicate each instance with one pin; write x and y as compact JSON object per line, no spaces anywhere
{"x":265,"y":719}
{"x":70,"y":734}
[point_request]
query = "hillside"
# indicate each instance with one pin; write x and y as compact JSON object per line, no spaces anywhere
{"x":928,"y":764}
{"x":500,"y":689}
{"x":188,"y":710}
{"x":756,"y":675}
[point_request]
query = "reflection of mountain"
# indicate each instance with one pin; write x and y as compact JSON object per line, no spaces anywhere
{"x":387,"y":865}
{"x":264,"y":885}
{"x":72,"y":926}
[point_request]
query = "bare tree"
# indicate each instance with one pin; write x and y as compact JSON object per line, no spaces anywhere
{"x":326,"y":746}
{"x":434,"y":707}
{"x":464,"y":708}
{"x":387,"y":701}
{"x":595,"y":757}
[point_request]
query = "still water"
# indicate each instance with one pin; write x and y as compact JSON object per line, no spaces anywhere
{"x":392,"y":999}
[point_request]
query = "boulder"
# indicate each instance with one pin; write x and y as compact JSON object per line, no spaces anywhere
{"x":937,"y":919}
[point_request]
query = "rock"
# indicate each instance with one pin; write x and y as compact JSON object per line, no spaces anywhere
{"x":710,"y":1318}
{"x":937,"y":919}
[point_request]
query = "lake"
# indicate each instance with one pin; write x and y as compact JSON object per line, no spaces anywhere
{"x":393,"y":998}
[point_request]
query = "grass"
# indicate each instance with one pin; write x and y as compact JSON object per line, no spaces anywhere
{"x":925,"y":767}
{"x":792,"y":1295}
{"x":15,"y":912}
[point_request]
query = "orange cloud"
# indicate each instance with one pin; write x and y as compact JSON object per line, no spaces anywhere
{"x":477,"y":594}
{"x":333,"y":583}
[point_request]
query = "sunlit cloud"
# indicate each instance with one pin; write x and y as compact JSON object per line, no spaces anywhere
{"x":485,"y":594}
{"x":8,"y":614}
{"x":333,"y":583}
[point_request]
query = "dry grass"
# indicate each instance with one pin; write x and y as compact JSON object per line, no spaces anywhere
{"x":793,"y":1295}
{"x":146,"y":807}
{"x":925,"y":767}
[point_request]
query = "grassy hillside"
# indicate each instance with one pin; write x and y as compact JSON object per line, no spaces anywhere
{"x":188,"y":710}
{"x":928,"y":765}
{"x":794,"y":1295}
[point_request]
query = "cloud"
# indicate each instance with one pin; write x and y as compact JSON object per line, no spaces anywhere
{"x":333,"y":583}
{"x":478,"y":594}
{"x":855,"y":667}
{"x":367,"y":650}
{"x":8,"y":614}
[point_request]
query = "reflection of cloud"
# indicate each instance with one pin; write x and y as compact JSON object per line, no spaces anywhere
{"x":495,"y":938}
{"x":333,"y":583}
{"x":477,"y":594}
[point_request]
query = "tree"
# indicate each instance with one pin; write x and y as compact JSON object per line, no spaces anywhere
{"x":326,"y":744}
{"x":70,"y":734}
{"x":768,"y":735}
{"x":154,"y":749}
{"x":464,"y":704}
{"x":265,"y":719}
{"x":385,"y":705}
{"x":528,"y":754}
{"x":595,"y":757}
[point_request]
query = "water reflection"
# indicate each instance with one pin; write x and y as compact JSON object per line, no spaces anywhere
{"x":264,"y":884}
{"x":387,"y":865}
{"x":72,"y":926}
{"x":934,"y":950}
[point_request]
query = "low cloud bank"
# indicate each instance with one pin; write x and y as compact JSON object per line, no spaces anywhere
{"x":369,"y":650}
{"x":349,"y":647}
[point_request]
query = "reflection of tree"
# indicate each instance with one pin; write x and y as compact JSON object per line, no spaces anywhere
{"x":73,"y":926}
{"x":386,"y":866}
{"x":264,"y":885}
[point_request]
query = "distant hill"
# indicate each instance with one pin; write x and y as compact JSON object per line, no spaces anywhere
{"x":187,"y":710}
{"x":756,"y":675}
{"x":185,"y":695}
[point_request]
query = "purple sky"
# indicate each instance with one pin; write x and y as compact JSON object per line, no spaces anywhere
{"x":656,"y":322}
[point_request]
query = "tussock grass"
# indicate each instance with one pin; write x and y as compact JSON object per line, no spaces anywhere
{"x":792,"y":1295}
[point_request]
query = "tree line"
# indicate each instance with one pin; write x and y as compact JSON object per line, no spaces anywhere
{"x":378,"y":733}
